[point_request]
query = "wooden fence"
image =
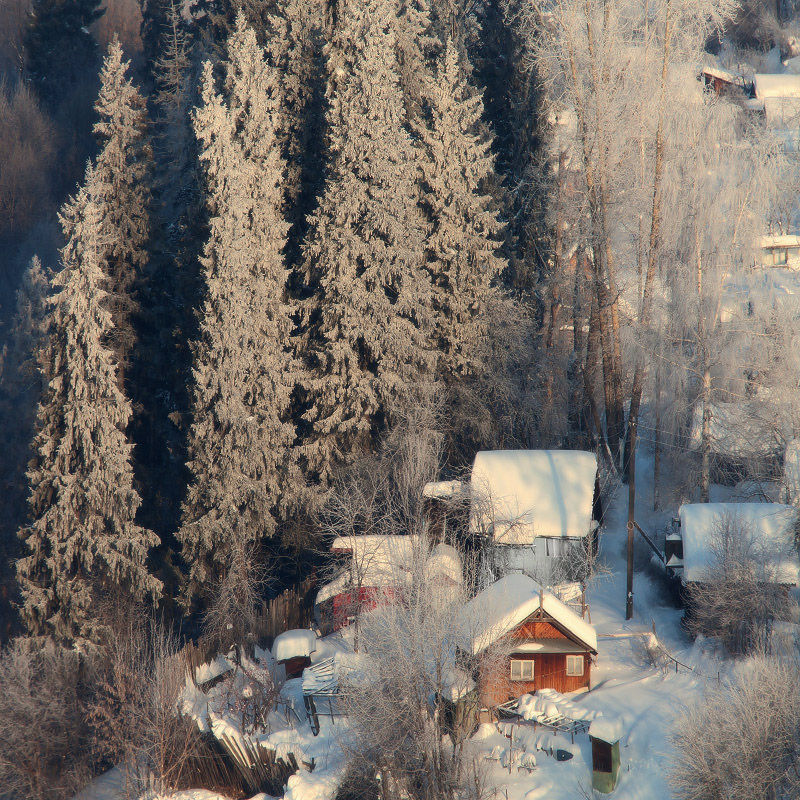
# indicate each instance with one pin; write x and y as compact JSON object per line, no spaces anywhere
{"x":292,"y":608}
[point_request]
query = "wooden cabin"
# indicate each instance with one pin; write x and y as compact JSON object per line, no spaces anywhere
{"x":536,"y":506}
{"x":517,"y":638}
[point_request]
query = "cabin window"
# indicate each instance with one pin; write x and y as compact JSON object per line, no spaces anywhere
{"x":780,"y":255}
{"x":521,"y":670}
{"x":574,"y":665}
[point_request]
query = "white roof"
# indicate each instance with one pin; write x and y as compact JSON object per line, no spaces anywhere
{"x":445,"y":490}
{"x":294,"y":644}
{"x":607,"y":729}
{"x":720,"y":72}
{"x":381,"y":561}
{"x":504,"y":605}
{"x":777,"y":86}
{"x":782,"y":240}
{"x":444,"y":561}
{"x":522,"y":494}
{"x":771,"y":527}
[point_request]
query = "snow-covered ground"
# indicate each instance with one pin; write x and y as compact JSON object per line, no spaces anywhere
{"x":628,"y":690}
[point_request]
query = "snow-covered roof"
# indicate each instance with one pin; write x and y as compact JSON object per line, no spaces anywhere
{"x":720,"y":72}
{"x":770,"y":528}
{"x":444,"y":561}
{"x":446,"y":490}
{"x":388,"y":561}
{"x":777,"y":86}
{"x":522,"y":494}
{"x":294,"y":644}
{"x":607,"y":729}
{"x":506,"y":604}
{"x":782,"y":240}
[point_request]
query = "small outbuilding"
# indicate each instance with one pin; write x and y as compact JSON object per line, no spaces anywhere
{"x":604,"y":735}
{"x":516,"y":638}
{"x":293,"y":650}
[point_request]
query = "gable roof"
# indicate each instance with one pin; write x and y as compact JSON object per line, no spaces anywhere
{"x":771,"y":527}
{"x":521,"y":494}
{"x":506,"y":604}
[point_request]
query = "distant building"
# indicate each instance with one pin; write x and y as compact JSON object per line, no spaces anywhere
{"x":770,"y":531}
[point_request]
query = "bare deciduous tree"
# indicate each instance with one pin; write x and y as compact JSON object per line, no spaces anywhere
{"x":741,"y":742}
{"x":741,"y":596}
{"x":43,"y":733}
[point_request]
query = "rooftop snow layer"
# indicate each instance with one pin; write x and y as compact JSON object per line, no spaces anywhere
{"x":770,"y":531}
{"x":294,"y":644}
{"x":777,"y":86}
{"x":445,"y":490}
{"x":444,"y":560}
{"x":609,"y":730}
{"x":522,"y":494}
{"x":504,"y":605}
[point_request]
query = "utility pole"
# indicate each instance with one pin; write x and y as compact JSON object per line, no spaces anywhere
{"x":631,"y":504}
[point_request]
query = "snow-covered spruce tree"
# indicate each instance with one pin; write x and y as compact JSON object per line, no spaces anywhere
{"x":244,"y":477}
{"x":294,"y":44}
{"x":122,"y":179}
{"x":83,"y":543}
{"x":461,"y":247}
{"x":369,"y":341}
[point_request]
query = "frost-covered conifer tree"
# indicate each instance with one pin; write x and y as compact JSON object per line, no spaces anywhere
{"x":462,"y":245}
{"x":122,"y":179}
{"x":83,"y":543}
{"x":244,"y":477}
{"x":371,"y":316}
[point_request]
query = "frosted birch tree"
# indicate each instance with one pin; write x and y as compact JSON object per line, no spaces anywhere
{"x":83,"y":543}
{"x":122,"y":178}
{"x":369,"y":339}
{"x":244,"y":476}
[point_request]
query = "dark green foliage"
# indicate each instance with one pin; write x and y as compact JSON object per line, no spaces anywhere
{"x":59,"y":49}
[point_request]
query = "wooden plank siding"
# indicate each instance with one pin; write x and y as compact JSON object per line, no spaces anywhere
{"x":549,"y":672}
{"x":495,"y":685}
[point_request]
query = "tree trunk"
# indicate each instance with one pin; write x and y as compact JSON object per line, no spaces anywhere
{"x":705,"y":369}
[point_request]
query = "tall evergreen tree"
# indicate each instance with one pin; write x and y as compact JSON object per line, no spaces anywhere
{"x":59,"y":49}
{"x":244,"y":476}
{"x":465,"y":233}
{"x":371,"y":316}
{"x":83,"y":543}
{"x":122,"y":180}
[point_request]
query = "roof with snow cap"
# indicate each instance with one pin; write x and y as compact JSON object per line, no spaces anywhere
{"x":519,"y":495}
{"x":769,"y":526}
{"x":294,"y":644}
{"x":507,"y":603}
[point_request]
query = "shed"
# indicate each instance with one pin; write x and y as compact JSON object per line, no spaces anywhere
{"x":604,"y":735}
{"x":518,"y":638}
{"x":780,"y":97}
{"x":770,"y":528}
{"x":293,"y":650}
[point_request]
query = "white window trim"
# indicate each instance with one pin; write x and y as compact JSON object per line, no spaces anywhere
{"x":522,"y":676}
{"x":574,"y":674}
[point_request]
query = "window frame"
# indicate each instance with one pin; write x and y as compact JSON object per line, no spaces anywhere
{"x":574,"y":674}
{"x":521,"y":662}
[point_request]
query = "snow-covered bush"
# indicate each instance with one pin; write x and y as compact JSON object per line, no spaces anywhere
{"x":44,"y":753}
{"x":740,"y":597}
{"x":742,"y":740}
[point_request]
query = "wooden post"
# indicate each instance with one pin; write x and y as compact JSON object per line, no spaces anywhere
{"x":631,"y":507}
